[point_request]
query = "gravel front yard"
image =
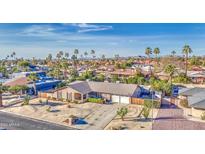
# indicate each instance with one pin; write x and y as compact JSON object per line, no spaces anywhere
{"x":132,"y":121}
{"x":59,"y":111}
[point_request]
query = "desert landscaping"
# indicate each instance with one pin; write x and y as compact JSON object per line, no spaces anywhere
{"x":132,"y":121}
{"x":90,"y":115}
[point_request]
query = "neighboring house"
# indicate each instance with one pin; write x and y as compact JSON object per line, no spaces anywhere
{"x":119,"y":72}
{"x":25,"y":74}
{"x":124,"y":72}
{"x":143,"y":67}
{"x":18,"y":81}
{"x":111,"y":92}
{"x":41,"y":85}
{"x":197,"y":77}
{"x":195,"y":97}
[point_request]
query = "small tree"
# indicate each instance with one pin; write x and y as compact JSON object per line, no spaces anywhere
{"x":2,"y":90}
{"x":122,"y":112}
{"x":48,"y":109}
{"x":146,"y":112}
{"x":26,"y":100}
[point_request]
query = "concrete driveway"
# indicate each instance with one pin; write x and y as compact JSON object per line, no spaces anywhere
{"x":170,"y":117}
{"x":101,"y":117}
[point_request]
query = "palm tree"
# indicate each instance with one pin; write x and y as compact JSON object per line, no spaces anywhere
{"x":58,"y":56}
{"x":7,"y":57}
{"x":103,"y":57}
{"x":186,"y":50}
{"x":74,"y":58}
{"x":61,"y":53}
{"x":76,"y":52}
{"x":156,"y":52}
{"x":49,"y":57}
{"x":67,"y":55}
{"x":65,"y":67}
{"x":148,"y":52}
{"x":85,"y":54}
{"x":93,"y":53}
{"x":170,"y":69}
{"x":117,"y":56}
{"x":173,"y":53}
{"x":33,"y":77}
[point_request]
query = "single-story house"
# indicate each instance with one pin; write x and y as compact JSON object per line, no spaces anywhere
{"x":43,"y":84}
{"x":111,"y":92}
{"x":197,"y":77}
{"x":195,"y":97}
{"x":26,"y":74}
{"x":18,"y":81}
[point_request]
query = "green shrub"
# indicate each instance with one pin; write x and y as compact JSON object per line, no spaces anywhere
{"x":203,"y":116}
{"x":48,"y":109}
{"x":184,"y":103}
{"x":181,"y":78}
{"x":75,"y":102}
{"x":146,"y":112}
{"x":40,"y":101}
{"x":148,"y":103}
{"x":26,"y":101}
{"x":95,"y":100}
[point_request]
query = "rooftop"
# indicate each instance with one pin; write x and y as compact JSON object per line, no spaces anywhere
{"x":196,"y":97}
{"x":104,"y":87}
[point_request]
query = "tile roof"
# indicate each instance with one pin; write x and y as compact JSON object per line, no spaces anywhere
{"x":196,"y":97}
{"x":80,"y":86}
{"x":192,"y":91}
{"x":104,"y":87}
{"x":200,"y":104}
{"x":17,"y":81}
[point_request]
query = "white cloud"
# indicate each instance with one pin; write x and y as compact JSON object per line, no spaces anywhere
{"x":83,"y":27}
{"x":38,"y":30}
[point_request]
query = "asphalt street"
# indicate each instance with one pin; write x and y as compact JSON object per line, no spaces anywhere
{"x":14,"y":122}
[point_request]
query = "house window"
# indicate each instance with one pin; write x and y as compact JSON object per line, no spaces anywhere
{"x":77,"y":96}
{"x":84,"y":96}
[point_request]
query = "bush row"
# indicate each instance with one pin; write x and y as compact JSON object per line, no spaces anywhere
{"x":95,"y":100}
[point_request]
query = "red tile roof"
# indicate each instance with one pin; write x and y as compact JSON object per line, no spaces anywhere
{"x":17,"y":81}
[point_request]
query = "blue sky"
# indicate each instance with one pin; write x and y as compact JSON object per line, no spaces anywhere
{"x":37,"y":40}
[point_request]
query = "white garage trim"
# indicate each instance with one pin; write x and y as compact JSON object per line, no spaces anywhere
{"x":115,"y":99}
{"x":124,"y":99}
{"x":120,"y":99}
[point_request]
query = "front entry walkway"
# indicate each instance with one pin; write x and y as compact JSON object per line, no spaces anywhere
{"x":170,"y":117}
